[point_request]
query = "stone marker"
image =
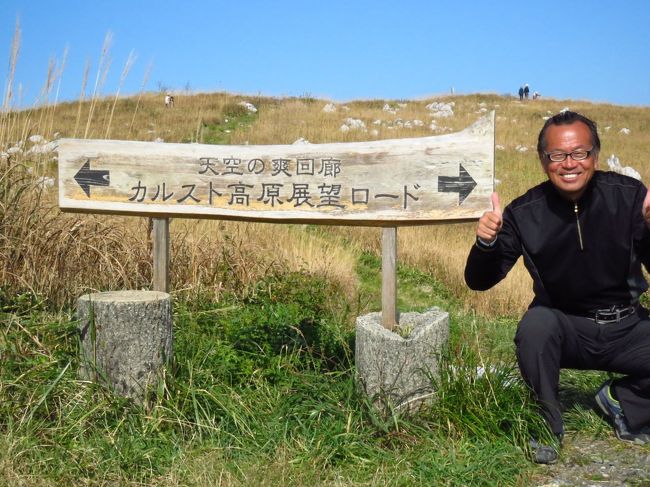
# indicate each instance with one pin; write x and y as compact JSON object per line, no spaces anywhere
{"x":126,"y":338}
{"x":396,"y":372}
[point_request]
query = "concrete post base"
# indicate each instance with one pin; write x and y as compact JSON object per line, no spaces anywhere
{"x":126,"y":339}
{"x":396,"y":372}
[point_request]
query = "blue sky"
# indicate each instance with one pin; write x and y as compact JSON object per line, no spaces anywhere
{"x":340,"y":50}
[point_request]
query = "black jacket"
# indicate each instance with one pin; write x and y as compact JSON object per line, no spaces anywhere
{"x":578,"y":261}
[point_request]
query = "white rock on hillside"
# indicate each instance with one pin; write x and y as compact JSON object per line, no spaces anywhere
{"x":249,"y":106}
{"x":45,"y":182}
{"x":615,"y":165}
{"x":329,"y":108}
{"x":625,"y":131}
{"x":37,"y":139}
{"x":43,"y":148}
{"x":354,"y":124}
{"x":441,"y":109}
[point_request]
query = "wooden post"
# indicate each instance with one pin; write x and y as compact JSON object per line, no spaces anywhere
{"x":161,"y":254}
{"x":389,"y":277}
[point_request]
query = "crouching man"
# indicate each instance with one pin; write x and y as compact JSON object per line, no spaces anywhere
{"x":584,"y":235}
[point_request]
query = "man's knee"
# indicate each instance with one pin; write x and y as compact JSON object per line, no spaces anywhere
{"x":538,"y":326}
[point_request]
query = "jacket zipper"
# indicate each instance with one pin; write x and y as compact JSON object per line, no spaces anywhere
{"x":575,"y":209}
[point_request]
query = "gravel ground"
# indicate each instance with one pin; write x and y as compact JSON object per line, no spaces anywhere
{"x":595,"y":462}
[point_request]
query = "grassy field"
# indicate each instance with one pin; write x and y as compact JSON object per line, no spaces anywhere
{"x":261,"y":387}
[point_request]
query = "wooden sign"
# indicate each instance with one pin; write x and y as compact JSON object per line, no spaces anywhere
{"x":384,"y":182}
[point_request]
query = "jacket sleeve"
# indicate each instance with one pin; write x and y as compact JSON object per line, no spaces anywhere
{"x":485,"y":266}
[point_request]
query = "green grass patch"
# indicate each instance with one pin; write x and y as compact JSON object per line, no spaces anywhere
{"x":416,"y":290}
{"x":219,"y":130}
{"x":262,"y":390}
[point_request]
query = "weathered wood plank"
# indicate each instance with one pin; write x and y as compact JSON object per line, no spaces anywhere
{"x":401,"y":181}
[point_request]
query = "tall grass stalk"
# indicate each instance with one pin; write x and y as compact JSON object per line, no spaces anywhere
{"x":7,"y":120}
{"x":145,"y":80}
{"x":82,"y":96}
{"x":100,"y":77}
{"x":44,"y":96}
{"x":125,"y":72}
{"x":13,"y":61}
{"x":58,"y":76}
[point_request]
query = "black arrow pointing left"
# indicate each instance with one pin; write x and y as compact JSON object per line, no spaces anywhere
{"x":463,"y":184}
{"x":87,"y":177}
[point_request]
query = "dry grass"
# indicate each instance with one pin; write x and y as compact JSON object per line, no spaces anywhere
{"x":59,"y":255}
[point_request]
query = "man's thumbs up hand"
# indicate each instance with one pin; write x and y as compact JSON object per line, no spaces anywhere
{"x":490,"y":223}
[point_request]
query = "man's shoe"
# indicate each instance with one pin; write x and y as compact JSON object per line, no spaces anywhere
{"x":543,"y":454}
{"x":613,"y":410}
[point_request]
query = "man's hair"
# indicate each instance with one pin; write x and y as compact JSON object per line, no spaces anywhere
{"x":567,"y":118}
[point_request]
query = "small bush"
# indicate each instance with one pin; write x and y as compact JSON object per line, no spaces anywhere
{"x":283,"y":316}
{"x":235,"y":110}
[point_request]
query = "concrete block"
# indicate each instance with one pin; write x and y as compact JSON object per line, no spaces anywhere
{"x":126,"y":339}
{"x":395,"y":371}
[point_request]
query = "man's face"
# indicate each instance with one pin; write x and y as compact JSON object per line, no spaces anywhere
{"x":570,"y":177}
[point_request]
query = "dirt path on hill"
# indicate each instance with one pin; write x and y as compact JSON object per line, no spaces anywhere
{"x":595,"y":462}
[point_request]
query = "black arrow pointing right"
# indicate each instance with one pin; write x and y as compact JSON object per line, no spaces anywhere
{"x":463,"y":184}
{"x":87,"y":177}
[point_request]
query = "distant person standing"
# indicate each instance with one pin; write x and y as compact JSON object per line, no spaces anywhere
{"x":521,"y":93}
{"x":526,"y":91}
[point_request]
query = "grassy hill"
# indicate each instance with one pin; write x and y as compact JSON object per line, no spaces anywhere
{"x":221,"y":118}
{"x":261,"y":390}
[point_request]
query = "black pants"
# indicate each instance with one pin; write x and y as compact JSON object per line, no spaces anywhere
{"x":548,"y":340}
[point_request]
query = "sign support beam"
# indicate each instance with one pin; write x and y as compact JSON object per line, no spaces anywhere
{"x":161,"y":247}
{"x":389,"y":316}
